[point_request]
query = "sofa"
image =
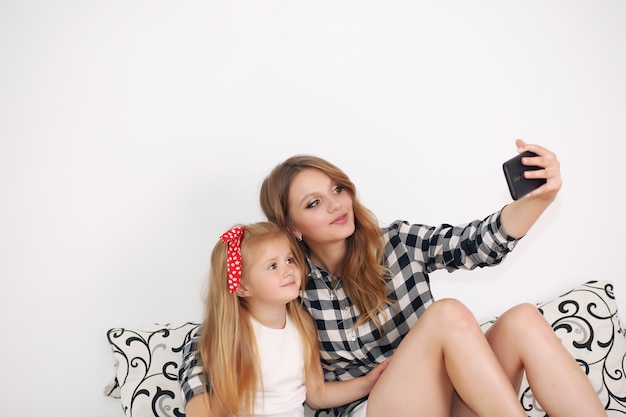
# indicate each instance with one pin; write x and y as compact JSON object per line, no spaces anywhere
{"x":585,"y":318}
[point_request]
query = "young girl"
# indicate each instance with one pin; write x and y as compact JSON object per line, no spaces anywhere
{"x":368,"y":292}
{"x":258,"y":345}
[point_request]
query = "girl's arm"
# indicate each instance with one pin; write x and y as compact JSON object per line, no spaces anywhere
{"x":197,"y":406}
{"x":518,"y":217}
{"x":320,"y":395}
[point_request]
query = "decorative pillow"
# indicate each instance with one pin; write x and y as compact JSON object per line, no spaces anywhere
{"x":146,"y":363}
{"x":585,"y":320}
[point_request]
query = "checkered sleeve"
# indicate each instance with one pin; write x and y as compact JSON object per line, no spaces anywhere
{"x":190,"y":373}
{"x":478,"y":243}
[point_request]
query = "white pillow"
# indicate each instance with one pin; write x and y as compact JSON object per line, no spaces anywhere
{"x":146,"y":362}
{"x":585,"y":319}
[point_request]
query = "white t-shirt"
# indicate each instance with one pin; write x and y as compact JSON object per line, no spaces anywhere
{"x":282,"y":367}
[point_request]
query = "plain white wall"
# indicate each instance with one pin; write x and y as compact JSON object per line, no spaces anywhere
{"x":132,"y":133}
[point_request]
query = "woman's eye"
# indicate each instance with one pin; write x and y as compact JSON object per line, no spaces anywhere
{"x":313,"y":203}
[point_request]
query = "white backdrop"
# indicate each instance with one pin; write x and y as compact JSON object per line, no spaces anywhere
{"x":132,"y":133}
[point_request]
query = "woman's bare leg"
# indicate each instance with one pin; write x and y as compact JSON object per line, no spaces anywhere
{"x":445,"y":351}
{"x":522,"y":339}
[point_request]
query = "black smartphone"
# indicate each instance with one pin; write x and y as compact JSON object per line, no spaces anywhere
{"x":514,"y":174}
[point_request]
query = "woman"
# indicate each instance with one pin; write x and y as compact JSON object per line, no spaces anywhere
{"x":368,"y":287}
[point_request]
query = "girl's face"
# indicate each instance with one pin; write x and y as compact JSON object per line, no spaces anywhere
{"x":320,"y":209}
{"x":270,"y":275}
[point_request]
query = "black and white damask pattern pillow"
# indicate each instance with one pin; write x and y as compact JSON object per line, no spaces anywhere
{"x":585,"y":319}
{"x":146,"y":363}
{"x":587,"y":323}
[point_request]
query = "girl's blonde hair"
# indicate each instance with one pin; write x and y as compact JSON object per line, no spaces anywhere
{"x":363,"y":272}
{"x":228,"y":348}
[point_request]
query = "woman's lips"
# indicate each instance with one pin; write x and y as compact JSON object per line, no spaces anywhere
{"x":341,"y":219}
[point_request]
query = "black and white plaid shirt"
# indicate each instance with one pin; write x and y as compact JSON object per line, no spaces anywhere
{"x":412,"y":252}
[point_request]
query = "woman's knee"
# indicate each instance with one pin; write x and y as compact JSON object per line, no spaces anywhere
{"x":451,"y":314}
{"x":524,"y":319}
{"x":523,"y":313}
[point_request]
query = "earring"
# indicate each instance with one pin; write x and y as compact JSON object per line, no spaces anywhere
{"x":299,"y":238}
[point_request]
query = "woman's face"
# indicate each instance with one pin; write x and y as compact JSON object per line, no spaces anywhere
{"x":320,"y":209}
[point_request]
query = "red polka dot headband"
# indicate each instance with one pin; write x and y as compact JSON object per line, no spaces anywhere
{"x":232,"y":238}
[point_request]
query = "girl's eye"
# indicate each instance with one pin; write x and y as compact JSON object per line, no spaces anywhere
{"x":271,"y":266}
{"x":291,"y":260}
{"x":338,"y":189}
{"x":313,"y":203}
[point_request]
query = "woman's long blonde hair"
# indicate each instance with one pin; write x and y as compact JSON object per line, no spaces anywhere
{"x":363,"y":272}
{"x":228,"y":348}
